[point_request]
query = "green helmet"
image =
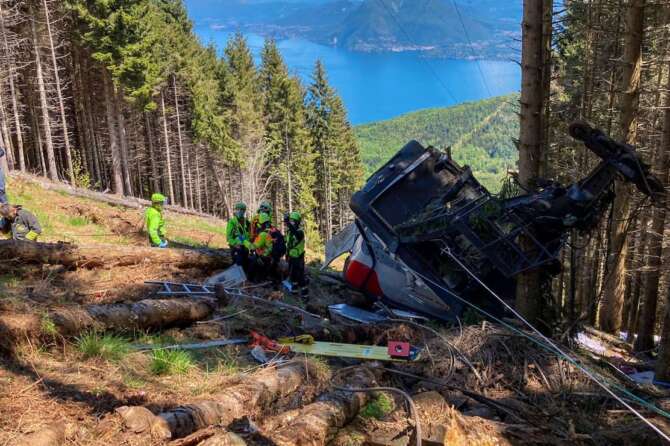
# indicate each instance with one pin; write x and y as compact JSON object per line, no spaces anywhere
{"x":263,"y":218}
{"x":266,"y":207}
{"x":158,"y":198}
{"x":295,"y":216}
{"x":240,"y":206}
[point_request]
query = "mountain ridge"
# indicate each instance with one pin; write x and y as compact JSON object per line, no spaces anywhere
{"x":433,"y":27}
{"x":480,"y":134}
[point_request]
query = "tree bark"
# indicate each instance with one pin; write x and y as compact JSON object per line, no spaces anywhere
{"x":123,"y":141}
{"x":533,"y":76}
{"x":252,"y":394}
{"x":167,"y":150}
{"x":647,"y":322}
{"x":59,"y":94}
{"x":13,"y":92}
{"x":109,"y":256}
{"x":149,"y":314}
{"x":316,"y":423}
{"x":182,"y":164}
{"x":44,"y":104}
{"x":117,"y":173}
{"x":610,"y":319}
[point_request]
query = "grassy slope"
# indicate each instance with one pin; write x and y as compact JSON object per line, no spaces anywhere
{"x":480,"y":133}
{"x":83,"y":221}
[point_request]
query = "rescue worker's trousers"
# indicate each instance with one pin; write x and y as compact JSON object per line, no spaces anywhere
{"x":296,"y":268}
{"x":260,"y":268}
{"x":240,"y":255}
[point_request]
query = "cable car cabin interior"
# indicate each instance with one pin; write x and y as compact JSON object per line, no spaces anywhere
{"x":422,"y":204}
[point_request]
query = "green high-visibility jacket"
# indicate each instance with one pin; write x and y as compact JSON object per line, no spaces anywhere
{"x":237,"y":231}
{"x":295,"y":243}
{"x":155,"y":225}
{"x":262,"y":245}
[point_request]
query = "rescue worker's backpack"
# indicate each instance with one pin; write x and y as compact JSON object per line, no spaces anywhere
{"x":278,"y":243}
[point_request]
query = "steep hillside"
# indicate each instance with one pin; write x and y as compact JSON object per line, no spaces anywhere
{"x":480,"y":134}
{"x":432,"y":26}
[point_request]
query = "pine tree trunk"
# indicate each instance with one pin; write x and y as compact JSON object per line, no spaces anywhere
{"x":110,"y":99}
{"x":198,"y":183}
{"x":4,"y":129}
{"x":123,"y":141}
{"x":647,"y":322}
{"x":529,"y":294}
{"x":13,"y":92}
{"x":610,"y":319}
{"x":182,"y":165}
{"x":167,"y":150}
{"x":634,"y":266}
{"x":44,"y":104}
{"x":152,"y":153}
{"x":59,"y":93}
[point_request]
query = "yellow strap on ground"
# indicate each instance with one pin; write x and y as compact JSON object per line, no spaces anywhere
{"x":343,"y":350}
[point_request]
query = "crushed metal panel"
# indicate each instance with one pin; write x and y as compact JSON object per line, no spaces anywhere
{"x":231,"y":278}
{"x":340,"y":244}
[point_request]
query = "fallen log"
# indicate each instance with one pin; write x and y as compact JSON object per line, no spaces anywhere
{"x":146,"y":314}
{"x":250,"y":396}
{"x":53,"y":435}
{"x":110,"y":256}
{"x":227,"y":439}
{"x":316,"y":423}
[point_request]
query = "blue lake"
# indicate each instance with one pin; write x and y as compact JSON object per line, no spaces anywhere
{"x":381,"y":86}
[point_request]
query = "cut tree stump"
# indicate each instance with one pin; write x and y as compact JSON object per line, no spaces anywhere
{"x":110,"y":256}
{"x":316,"y":423}
{"x":253,"y":394}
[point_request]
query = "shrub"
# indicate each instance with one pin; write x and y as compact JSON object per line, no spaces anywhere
{"x":170,"y":362}
{"x":109,"y":347}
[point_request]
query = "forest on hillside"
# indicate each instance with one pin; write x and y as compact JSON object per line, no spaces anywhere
{"x":481,"y":134}
{"x":604,"y":62}
{"x":121,"y":96}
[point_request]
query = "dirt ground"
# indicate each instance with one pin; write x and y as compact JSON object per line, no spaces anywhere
{"x":478,"y":384}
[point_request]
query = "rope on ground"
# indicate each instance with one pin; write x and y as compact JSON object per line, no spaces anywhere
{"x":546,"y":343}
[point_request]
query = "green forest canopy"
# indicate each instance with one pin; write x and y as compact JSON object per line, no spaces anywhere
{"x":481,"y":134}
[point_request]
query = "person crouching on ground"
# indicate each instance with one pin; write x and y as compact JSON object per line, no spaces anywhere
{"x":260,"y":263}
{"x":295,"y":247}
{"x":237,"y":232}
{"x":155,"y":222}
{"x":19,"y":223}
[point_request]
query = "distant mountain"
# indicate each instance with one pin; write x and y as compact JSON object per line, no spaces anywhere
{"x":480,"y":133}
{"x":435,"y":27}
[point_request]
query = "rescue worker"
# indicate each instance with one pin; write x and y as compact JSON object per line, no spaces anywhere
{"x":260,"y":264}
{"x":264,"y":208}
{"x":295,"y":247}
{"x":3,"y":193}
{"x":19,"y":223}
{"x":155,"y":222}
{"x":237,"y":232}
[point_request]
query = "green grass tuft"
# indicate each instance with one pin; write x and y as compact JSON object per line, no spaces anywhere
{"x":48,"y":326}
{"x":77,"y":221}
{"x":379,"y":407}
{"x":171,"y":362}
{"x":109,"y":347}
